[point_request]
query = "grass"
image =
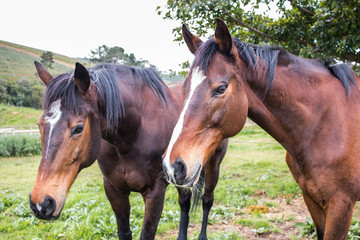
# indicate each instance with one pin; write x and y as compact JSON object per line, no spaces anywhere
{"x":87,"y":212}
{"x":39,"y":52}
{"x":16,"y":65}
{"x":253,"y":176}
{"x":18,"y":116}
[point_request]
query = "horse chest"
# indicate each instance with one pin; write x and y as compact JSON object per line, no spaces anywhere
{"x":129,"y":175}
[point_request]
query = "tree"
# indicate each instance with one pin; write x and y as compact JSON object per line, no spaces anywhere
{"x":47,"y":59}
{"x":117,"y":55}
{"x":310,"y":28}
{"x":99,"y":54}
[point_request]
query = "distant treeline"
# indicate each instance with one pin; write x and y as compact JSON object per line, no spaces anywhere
{"x":22,"y":93}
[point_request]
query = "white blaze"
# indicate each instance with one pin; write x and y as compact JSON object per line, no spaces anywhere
{"x":196,"y":79}
{"x":55,"y":115}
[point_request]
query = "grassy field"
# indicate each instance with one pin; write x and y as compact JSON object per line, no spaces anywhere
{"x":18,"y":116}
{"x":256,"y":198}
{"x":15,"y":65}
{"x":253,"y":174}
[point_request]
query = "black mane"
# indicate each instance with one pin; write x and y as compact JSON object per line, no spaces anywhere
{"x":250,"y":53}
{"x":107,"y":79}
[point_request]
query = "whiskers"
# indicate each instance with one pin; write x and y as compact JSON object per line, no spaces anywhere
{"x":197,"y":190}
{"x":164,"y":175}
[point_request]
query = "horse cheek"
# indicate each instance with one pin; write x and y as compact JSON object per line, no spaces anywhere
{"x":236,"y":116}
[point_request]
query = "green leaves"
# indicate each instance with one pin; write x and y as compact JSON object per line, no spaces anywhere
{"x":307,"y":228}
{"x":309,"y":28}
{"x":20,"y":145}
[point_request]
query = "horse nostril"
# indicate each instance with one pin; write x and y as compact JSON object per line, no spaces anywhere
{"x":179,"y":170}
{"x":49,"y":205}
{"x":45,"y":209}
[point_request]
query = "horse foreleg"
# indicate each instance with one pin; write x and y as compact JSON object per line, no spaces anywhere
{"x":154,"y":203}
{"x":212,"y":170}
{"x":338,"y":218}
{"x":120,"y":204}
{"x":184,"y":202}
{"x":317,"y":214}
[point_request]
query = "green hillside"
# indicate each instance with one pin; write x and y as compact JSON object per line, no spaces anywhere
{"x":62,"y":58}
{"x":16,"y":65}
{"x":18,"y":116}
{"x":19,"y":64}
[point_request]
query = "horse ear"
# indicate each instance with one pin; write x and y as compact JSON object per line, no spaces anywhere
{"x":81,"y":78}
{"x":223,"y":36}
{"x":192,"y":41}
{"x":44,"y":75}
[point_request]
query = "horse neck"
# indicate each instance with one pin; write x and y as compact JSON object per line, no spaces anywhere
{"x":124,"y":134}
{"x":262,"y":116}
{"x":141,"y":107}
{"x":298,"y":104}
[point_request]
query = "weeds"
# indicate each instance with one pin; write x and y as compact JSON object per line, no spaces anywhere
{"x":258,"y":225}
{"x":307,"y":228}
{"x":354,"y":231}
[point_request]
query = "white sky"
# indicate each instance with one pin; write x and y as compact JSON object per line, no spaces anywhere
{"x":74,"y":27}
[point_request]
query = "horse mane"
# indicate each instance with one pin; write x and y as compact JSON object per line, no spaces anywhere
{"x":345,"y":74}
{"x":271,"y":56}
{"x":108,"y":79}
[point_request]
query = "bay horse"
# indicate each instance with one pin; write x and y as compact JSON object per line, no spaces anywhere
{"x":123,"y":117}
{"x":312,"y":109}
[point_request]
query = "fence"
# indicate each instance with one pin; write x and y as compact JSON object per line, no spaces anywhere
{"x":33,"y":129}
{"x":14,"y":130}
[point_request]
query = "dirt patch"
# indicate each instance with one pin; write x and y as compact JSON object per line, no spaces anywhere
{"x":283,"y":216}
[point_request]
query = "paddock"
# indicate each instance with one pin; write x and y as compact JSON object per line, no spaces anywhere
{"x":256,"y":198}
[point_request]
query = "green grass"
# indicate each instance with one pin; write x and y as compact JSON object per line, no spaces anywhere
{"x":18,"y":116}
{"x":39,"y":52}
{"x":259,"y":224}
{"x":87,"y":212}
{"x":16,"y":65}
{"x":253,"y":173}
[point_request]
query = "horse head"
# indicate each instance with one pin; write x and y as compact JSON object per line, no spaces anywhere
{"x":70,"y":138}
{"x":215,"y":99}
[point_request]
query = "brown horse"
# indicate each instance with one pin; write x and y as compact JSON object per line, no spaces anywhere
{"x":311,"y":108}
{"x":122,"y":116}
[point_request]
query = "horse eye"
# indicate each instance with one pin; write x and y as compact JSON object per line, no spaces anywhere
{"x":219,"y":90}
{"x":77,"y":129}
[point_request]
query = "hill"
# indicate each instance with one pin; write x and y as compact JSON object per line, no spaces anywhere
{"x":17,"y":62}
{"x":18,"y":116}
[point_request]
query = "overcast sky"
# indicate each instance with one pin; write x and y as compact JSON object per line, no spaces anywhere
{"x":74,"y":27}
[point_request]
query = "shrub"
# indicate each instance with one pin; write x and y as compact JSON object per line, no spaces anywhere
{"x":20,"y":145}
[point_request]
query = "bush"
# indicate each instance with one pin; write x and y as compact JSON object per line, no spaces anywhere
{"x":19,"y":146}
{"x":21,"y":92}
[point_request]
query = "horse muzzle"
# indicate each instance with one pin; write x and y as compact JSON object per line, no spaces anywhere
{"x":45,"y":209}
{"x":179,"y":175}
